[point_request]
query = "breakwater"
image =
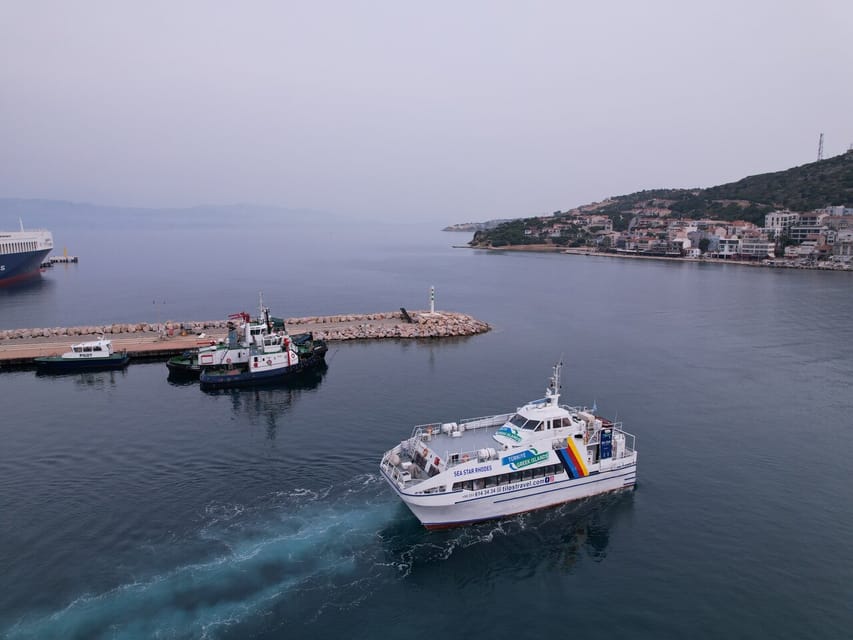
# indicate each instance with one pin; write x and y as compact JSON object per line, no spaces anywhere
{"x":151,"y":341}
{"x":338,"y":327}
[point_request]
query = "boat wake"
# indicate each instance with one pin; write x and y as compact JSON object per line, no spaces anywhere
{"x":284,"y":561}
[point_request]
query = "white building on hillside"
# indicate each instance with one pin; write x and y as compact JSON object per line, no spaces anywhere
{"x":778,"y":221}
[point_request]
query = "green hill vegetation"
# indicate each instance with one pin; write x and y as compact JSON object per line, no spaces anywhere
{"x":804,"y":188}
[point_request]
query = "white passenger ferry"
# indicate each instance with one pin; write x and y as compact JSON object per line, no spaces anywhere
{"x":542,"y":455}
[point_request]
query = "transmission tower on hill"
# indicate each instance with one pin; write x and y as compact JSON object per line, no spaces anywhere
{"x":820,"y":148}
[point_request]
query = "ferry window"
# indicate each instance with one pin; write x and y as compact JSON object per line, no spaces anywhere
{"x":98,"y":348}
{"x":491,"y":481}
{"x":538,"y":472}
{"x":468,"y":484}
{"x":518,"y":421}
{"x":527,"y":474}
{"x":478,"y":483}
{"x":515,"y":476}
{"x":503,"y":478}
{"x":457,"y":486}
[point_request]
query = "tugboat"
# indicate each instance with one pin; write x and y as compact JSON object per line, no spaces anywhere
{"x":271,"y":358}
{"x":188,"y":365}
{"x":96,"y":355}
{"x":544,"y":454}
{"x":232,"y":352}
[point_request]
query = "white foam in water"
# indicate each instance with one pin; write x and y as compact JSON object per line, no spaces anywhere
{"x":302,"y":540}
{"x":344,"y":543}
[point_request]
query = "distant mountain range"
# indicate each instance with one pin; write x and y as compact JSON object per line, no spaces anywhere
{"x":59,"y":214}
{"x":810,"y":186}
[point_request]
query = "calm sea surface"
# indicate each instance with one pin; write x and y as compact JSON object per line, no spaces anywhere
{"x":134,"y":508}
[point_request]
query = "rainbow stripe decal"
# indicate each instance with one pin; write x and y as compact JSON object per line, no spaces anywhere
{"x":572,"y":460}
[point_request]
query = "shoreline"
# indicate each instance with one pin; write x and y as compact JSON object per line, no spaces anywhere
{"x":544,"y":248}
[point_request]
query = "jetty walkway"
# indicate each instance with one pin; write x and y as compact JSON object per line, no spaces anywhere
{"x":144,"y":341}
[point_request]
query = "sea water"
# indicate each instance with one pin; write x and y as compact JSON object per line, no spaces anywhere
{"x":134,"y":508}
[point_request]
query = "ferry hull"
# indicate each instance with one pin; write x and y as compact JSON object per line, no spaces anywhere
{"x":17,"y":267}
{"x":463,"y":508}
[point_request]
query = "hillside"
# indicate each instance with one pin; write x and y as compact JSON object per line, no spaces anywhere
{"x":804,"y":188}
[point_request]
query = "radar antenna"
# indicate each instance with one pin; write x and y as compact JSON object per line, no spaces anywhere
{"x":553,"y":390}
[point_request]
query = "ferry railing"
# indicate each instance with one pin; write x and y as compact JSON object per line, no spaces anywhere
{"x":424,"y":433}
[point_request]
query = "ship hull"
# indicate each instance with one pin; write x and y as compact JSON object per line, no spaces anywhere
{"x":183,"y":370}
{"x":468,"y":507}
{"x":17,"y":267}
{"x":212,"y":379}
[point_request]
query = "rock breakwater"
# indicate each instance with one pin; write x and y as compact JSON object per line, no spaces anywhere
{"x":337,"y":327}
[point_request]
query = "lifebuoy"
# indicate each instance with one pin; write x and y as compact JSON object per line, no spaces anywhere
{"x":436,"y":462}
{"x":227,"y":360}
{"x":269,"y":361}
{"x":465,"y":457}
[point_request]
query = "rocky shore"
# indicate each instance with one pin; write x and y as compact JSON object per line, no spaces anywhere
{"x":339,"y":327}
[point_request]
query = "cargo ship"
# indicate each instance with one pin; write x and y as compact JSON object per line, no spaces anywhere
{"x":22,"y":253}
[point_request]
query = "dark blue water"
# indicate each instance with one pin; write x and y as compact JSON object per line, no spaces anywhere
{"x":133,"y":508}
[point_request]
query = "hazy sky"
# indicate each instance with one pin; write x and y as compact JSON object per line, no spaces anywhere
{"x":451,"y":111}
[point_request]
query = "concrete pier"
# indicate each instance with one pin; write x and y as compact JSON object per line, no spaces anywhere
{"x":149,"y":341}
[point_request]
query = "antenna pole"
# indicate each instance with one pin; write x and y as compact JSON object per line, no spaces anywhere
{"x":820,"y":148}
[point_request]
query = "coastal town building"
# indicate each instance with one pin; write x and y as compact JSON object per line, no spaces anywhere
{"x":842,"y":248}
{"x":837,"y":211}
{"x":757,"y":248}
{"x":778,"y":221}
{"x":802,"y":237}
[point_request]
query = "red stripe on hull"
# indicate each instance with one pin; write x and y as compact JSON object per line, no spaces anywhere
{"x":21,"y":277}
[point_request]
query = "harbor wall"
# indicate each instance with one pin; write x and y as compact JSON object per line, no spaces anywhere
{"x":337,"y":327}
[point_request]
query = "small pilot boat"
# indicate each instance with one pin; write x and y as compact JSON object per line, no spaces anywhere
{"x":95,"y":355}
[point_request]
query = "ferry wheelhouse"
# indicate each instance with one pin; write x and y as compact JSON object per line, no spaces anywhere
{"x":544,"y":454}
